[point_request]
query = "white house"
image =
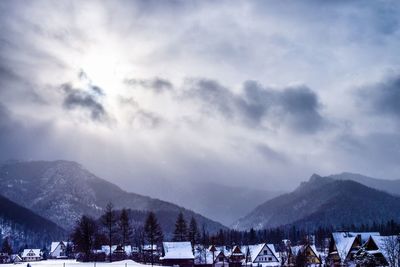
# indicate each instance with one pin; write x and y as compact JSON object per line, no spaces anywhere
{"x":177,"y":253}
{"x":31,"y":255}
{"x":58,"y":250}
{"x":106,"y":249}
{"x":15,"y":258}
{"x":205,"y":256}
{"x":383,"y":248}
{"x":261,"y":255}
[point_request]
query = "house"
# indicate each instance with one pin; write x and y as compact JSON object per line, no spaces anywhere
{"x":380,"y":248}
{"x":262,"y":255}
{"x":15,"y":258}
{"x":364,"y":236}
{"x":212,"y":256}
{"x":59,"y":250}
{"x":118,"y":252}
{"x":236,"y":257}
{"x":342,"y":247}
{"x":31,"y":255}
{"x":305,"y":255}
{"x":116,"y":249}
{"x":177,"y":254}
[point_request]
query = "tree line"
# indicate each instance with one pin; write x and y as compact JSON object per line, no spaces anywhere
{"x":115,"y":227}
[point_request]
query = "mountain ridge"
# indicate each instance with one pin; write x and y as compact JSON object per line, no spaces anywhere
{"x":319,"y":201}
{"x":58,"y":190}
{"x":26,"y":227}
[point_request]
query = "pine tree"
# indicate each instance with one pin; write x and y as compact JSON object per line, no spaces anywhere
{"x":108,"y":220}
{"x":153,"y":233}
{"x":193,"y":233}
{"x":84,"y":236}
{"x":181,"y":231}
{"x":252,"y":237}
{"x":125,"y":227}
{"x":6,"y":246}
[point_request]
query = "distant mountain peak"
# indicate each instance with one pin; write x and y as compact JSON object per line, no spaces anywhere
{"x":324,"y":201}
{"x":62,"y":191}
{"x":314,"y":177}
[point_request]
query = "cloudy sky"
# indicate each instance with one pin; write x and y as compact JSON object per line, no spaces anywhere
{"x":255,"y":93}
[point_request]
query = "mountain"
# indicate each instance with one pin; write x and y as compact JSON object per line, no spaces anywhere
{"x":323,"y":201}
{"x":390,"y":186}
{"x":219,"y":202}
{"x":62,"y":191}
{"x":26,"y":227}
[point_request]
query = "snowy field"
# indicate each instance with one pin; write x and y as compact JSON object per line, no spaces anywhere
{"x":74,"y":263}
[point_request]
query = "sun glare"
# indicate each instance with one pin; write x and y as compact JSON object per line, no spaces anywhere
{"x":104,"y":68}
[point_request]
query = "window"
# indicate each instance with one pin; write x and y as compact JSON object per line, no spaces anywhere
{"x":270,"y":259}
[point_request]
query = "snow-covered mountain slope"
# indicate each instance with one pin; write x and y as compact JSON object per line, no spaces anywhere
{"x":25,"y":227}
{"x":62,"y":191}
{"x":323,"y":201}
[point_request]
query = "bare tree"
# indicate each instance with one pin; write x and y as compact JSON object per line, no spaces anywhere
{"x":391,"y":246}
{"x":109,"y":220}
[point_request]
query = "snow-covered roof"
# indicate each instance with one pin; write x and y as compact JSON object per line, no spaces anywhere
{"x":177,"y":250}
{"x":54,"y":245}
{"x":106,"y":249}
{"x":296,"y":249}
{"x":236,"y":251}
{"x":254,"y":250}
{"x":15,"y":257}
{"x":343,"y":243}
{"x":203,"y":256}
{"x":36,"y":253}
{"x":364,"y":235}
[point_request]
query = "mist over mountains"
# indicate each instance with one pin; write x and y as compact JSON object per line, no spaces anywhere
{"x":59,"y":192}
{"x":62,"y":191}
{"x":325,"y":201}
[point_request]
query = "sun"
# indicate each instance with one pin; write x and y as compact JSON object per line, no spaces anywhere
{"x":104,"y":67}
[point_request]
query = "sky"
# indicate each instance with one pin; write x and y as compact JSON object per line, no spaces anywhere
{"x":259,"y":94}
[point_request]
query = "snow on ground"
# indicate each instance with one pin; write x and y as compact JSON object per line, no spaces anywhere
{"x":74,"y":263}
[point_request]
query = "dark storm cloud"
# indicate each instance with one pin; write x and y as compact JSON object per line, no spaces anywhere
{"x":214,"y":96}
{"x":383,"y":98}
{"x":77,"y":98}
{"x":156,"y":84}
{"x":298,"y":107}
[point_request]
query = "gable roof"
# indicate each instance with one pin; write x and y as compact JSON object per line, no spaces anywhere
{"x":382,"y":243}
{"x":314,"y":249}
{"x":177,"y":250}
{"x":204,"y":255}
{"x":254,"y":250}
{"x":236,"y":251}
{"x":364,"y":235}
{"x":16,"y":257}
{"x":35,"y":251}
{"x":106,"y":249}
{"x":343,"y":243}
